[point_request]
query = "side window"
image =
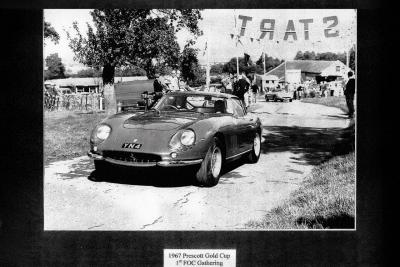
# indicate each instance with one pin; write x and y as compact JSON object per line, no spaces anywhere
{"x":229,"y":107}
{"x":238,"y":109}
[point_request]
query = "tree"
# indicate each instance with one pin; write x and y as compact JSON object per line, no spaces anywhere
{"x":328,"y":56}
{"x":217,"y":69}
{"x":305,"y":56}
{"x":190,"y":67}
{"x":230,"y":67}
{"x":131,"y":37}
{"x":55,"y":68}
{"x":50,"y":33}
{"x":270,"y":63}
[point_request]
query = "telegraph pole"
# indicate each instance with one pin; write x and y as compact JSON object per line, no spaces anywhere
{"x":264,"y":62}
{"x":208,"y":65}
{"x":237,"y":65}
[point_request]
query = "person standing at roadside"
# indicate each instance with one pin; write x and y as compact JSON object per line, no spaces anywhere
{"x":158,"y":85}
{"x":349,"y":92}
{"x":174,"y":85}
{"x":254,"y":89}
{"x":242,"y":88}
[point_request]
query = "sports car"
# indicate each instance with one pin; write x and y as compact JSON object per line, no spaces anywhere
{"x":184,"y":128}
{"x":278,"y":95}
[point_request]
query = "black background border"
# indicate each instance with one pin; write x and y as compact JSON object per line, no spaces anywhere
{"x":25,"y":243}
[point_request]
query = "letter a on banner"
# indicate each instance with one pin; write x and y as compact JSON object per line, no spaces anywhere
{"x":290,"y":30}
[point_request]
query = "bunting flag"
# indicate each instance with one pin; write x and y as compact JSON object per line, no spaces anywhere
{"x":205,"y":49}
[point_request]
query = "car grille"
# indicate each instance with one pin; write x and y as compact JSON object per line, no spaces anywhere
{"x":131,"y":156}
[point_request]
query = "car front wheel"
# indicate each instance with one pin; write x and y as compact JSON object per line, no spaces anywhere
{"x":254,"y":154}
{"x":210,"y":169}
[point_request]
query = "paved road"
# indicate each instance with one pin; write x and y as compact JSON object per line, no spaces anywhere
{"x":296,"y":137}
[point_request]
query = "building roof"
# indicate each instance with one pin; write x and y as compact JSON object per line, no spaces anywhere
{"x":92,"y":81}
{"x":309,"y":66}
{"x":267,"y":77}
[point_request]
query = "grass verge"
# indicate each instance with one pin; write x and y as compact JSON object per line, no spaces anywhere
{"x":67,"y":134}
{"x":333,"y":101}
{"x":324,"y":200}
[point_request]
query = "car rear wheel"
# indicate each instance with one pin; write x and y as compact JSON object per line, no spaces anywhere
{"x":255,"y":153}
{"x":210,"y":169}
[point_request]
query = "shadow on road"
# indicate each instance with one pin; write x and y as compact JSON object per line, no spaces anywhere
{"x":312,"y":145}
{"x":158,"y":177}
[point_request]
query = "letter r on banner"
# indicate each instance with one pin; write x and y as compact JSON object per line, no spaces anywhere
{"x":269,"y":30}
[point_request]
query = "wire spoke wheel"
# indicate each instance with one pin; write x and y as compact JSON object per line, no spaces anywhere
{"x":254,"y":154}
{"x":257,"y":145}
{"x":216,"y":162}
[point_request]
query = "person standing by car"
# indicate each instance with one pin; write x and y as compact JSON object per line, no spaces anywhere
{"x":158,"y":87}
{"x":349,"y":92}
{"x":254,"y":89}
{"x":174,"y":85}
{"x":242,"y":88}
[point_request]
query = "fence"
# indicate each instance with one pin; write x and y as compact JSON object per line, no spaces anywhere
{"x":80,"y":101}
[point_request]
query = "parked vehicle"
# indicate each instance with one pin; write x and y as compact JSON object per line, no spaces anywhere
{"x":184,"y":128}
{"x":279,"y":95}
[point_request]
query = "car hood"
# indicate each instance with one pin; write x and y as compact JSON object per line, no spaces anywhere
{"x":160,"y":121}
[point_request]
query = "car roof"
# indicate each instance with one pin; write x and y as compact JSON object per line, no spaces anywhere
{"x":200,"y":93}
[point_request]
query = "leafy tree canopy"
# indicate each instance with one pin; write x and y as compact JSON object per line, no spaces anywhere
{"x":190,"y":64}
{"x":217,"y":69}
{"x":50,"y":33}
{"x":230,"y":66}
{"x":270,"y":63}
{"x":307,"y":55}
{"x":140,"y":37}
{"x":55,"y":68}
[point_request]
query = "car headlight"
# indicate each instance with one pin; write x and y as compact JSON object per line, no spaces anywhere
{"x":182,"y":139}
{"x":188,"y":137}
{"x":102,"y":132}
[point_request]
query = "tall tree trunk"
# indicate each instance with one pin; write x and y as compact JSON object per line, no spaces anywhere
{"x":110,"y":100}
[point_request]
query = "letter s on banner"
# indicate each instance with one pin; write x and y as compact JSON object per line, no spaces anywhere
{"x":328,"y":31}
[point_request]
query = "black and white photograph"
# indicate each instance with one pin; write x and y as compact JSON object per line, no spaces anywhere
{"x":199,"y":119}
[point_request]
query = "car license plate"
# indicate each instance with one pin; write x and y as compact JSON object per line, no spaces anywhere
{"x":131,"y":145}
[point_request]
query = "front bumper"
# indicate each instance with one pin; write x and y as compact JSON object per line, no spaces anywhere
{"x":163,"y":163}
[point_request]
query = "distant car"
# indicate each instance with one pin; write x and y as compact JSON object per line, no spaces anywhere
{"x":203,"y":129}
{"x":278,"y":95}
{"x":66,"y":91}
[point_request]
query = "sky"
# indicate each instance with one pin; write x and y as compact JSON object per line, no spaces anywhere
{"x":218,"y":25}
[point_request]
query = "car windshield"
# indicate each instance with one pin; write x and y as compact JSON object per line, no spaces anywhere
{"x":191,"y":103}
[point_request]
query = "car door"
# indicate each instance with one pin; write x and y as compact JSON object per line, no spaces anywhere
{"x":243,"y":126}
{"x":233,"y":133}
